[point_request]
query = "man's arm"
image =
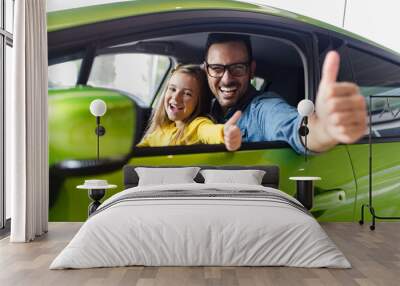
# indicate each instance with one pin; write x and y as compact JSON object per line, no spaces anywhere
{"x":340,"y":110}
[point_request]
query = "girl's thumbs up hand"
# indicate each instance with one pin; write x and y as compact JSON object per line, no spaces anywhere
{"x":232,"y":135}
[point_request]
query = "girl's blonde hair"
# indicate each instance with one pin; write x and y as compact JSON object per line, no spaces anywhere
{"x":160,"y":118}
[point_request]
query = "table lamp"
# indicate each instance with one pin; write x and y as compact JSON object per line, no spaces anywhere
{"x":305,"y":184}
{"x":98,"y":108}
{"x":305,"y":109}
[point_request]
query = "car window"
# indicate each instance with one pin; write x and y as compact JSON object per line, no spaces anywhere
{"x":379,"y":77}
{"x":281,"y":71}
{"x":65,"y":74}
{"x":136,"y":74}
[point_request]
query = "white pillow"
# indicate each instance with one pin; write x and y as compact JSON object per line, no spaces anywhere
{"x":165,"y":176}
{"x":248,"y":177}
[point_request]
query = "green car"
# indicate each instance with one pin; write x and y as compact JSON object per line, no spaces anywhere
{"x":123,"y":52}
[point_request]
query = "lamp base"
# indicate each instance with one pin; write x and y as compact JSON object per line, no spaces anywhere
{"x":96,"y":195}
{"x":374,"y":216}
{"x":305,"y":193}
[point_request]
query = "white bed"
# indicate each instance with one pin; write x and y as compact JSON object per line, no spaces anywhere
{"x":250,"y":225}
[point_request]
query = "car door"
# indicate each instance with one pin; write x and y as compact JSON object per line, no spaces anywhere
{"x":377,"y":72}
{"x":335,"y":193}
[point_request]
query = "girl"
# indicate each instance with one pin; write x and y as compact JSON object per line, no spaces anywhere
{"x":179,"y":118}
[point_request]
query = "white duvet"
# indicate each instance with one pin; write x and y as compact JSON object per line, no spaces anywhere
{"x":200,"y":231}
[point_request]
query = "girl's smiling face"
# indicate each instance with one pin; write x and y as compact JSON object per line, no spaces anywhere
{"x":181,"y":97}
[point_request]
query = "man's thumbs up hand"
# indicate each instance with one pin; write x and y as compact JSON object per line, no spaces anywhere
{"x":340,"y":108}
{"x":330,"y":68}
{"x":232,"y":135}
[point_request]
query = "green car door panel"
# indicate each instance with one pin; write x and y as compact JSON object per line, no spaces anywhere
{"x":385,"y":178}
{"x":330,"y":205}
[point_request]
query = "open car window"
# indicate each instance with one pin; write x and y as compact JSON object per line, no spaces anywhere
{"x":281,"y":68}
{"x":138,"y":70}
{"x":133,"y":73}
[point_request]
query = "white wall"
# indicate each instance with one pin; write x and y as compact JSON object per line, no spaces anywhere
{"x":331,"y":11}
{"x":54,"y":5}
{"x":376,"y":20}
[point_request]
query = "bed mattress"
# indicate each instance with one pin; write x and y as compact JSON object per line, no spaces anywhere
{"x":201,"y":225}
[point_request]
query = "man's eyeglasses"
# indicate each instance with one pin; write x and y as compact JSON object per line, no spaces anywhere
{"x":218,"y":71}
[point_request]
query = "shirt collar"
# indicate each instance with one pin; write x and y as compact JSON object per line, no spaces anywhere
{"x":216,"y":110}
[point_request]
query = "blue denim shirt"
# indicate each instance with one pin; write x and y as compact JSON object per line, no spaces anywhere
{"x":266,"y":117}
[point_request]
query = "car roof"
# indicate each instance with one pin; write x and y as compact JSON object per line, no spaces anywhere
{"x":71,"y":18}
{"x":64,"y":19}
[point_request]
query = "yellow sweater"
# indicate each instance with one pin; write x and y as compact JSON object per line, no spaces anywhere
{"x":200,"y":130}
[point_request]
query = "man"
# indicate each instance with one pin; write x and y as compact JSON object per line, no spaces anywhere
{"x":340,"y":110}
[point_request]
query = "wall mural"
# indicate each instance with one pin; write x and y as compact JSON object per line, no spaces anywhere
{"x":133,"y":75}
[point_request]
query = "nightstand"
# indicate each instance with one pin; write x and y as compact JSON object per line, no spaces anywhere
{"x":305,"y":190}
{"x":96,"y":191}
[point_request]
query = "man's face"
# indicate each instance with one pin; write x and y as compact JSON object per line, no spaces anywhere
{"x":228,"y":89}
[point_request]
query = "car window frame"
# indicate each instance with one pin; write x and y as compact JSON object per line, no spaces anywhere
{"x":212,"y":148}
{"x":384,"y":56}
{"x":300,"y":34}
{"x":344,"y":42}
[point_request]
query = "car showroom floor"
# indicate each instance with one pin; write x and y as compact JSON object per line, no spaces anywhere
{"x":374,"y":255}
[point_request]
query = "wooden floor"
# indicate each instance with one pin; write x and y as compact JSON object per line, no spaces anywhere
{"x":374,"y":255}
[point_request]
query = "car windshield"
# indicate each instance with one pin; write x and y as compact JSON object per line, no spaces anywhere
{"x":64,"y":75}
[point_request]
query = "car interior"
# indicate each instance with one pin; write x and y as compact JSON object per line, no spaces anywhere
{"x":280,"y":66}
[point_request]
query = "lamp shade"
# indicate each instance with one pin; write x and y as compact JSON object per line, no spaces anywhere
{"x":305,"y":107}
{"x":98,"y":107}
